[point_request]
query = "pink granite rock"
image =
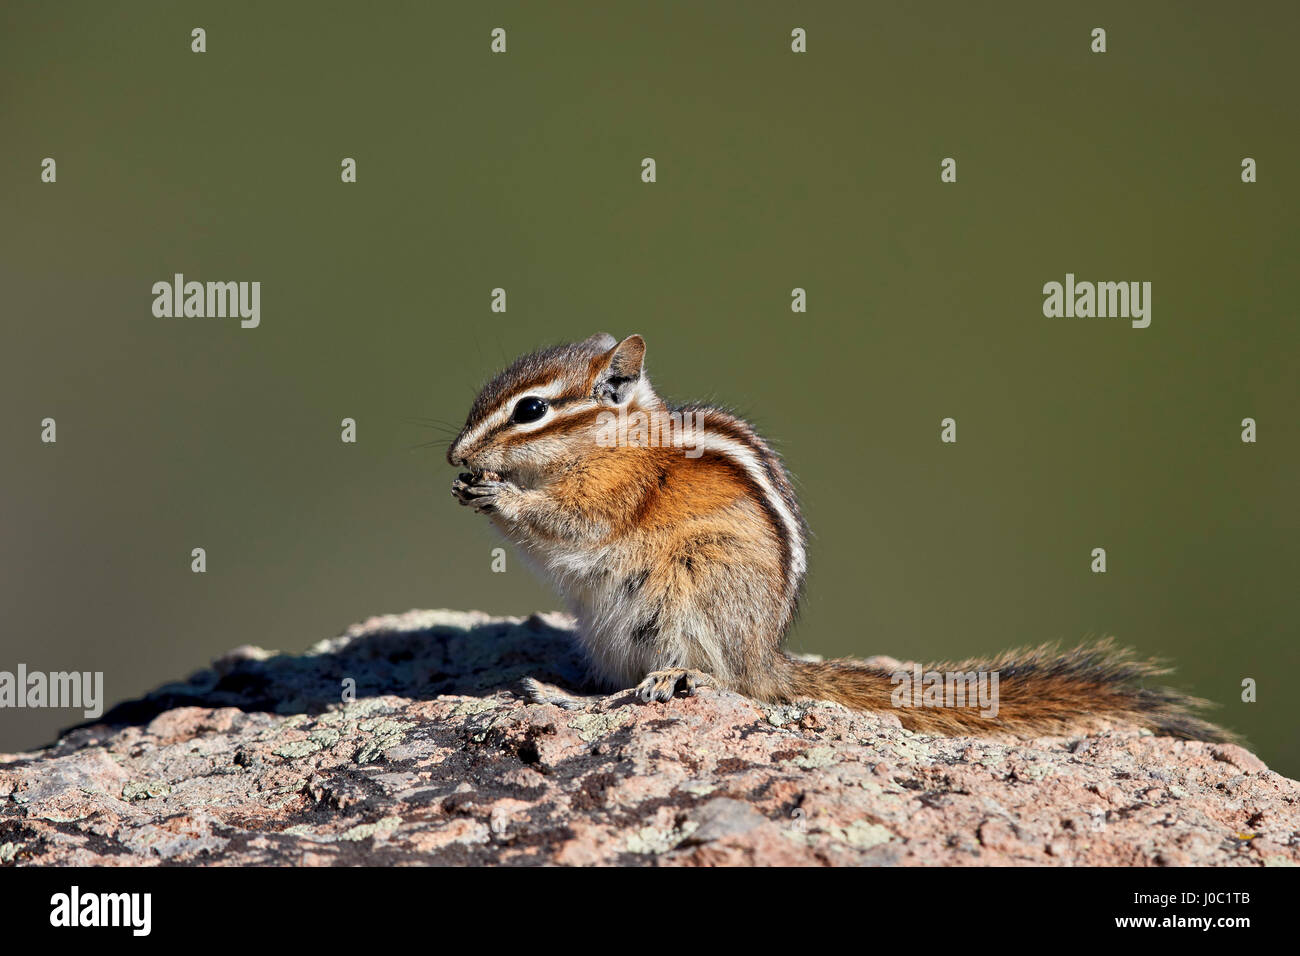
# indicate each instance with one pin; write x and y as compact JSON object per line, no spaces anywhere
{"x":439,"y":759}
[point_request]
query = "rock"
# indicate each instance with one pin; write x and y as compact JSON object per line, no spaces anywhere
{"x":439,"y":759}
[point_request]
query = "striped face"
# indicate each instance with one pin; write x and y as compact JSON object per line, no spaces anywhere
{"x":544,"y":407}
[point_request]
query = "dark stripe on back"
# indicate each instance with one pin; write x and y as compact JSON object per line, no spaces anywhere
{"x":729,"y":427}
{"x":757,"y":494}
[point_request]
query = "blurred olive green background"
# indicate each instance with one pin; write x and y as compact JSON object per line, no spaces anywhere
{"x":775,"y":170}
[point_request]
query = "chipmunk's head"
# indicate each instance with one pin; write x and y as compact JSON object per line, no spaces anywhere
{"x":543,"y":409}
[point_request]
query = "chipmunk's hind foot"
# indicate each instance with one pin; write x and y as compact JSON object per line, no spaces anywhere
{"x":662,"y":685}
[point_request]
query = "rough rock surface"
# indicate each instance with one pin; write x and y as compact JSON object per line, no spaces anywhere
{"x":439,"y":760}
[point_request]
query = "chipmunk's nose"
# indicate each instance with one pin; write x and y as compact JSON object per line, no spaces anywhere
{"x":457,"y":452}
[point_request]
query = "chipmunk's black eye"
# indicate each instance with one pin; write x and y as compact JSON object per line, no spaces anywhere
{"x":528,"y":410}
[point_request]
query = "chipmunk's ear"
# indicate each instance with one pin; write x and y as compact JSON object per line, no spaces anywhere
{"x":600,"y":342}
{"x":622,"y":370}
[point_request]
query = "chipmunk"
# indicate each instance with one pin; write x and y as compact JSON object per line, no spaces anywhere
{"x":684,"y":566}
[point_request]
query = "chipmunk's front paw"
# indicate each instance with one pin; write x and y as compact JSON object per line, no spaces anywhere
{"x":484,"y":495}
{"x":661,"y":685}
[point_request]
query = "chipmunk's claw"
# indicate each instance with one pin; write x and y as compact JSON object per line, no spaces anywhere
{"x":479,"y":493}
{"x":662,"y":685}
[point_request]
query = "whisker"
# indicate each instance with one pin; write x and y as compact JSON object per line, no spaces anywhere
{"x":448,"y":431}
{"x":437,"y":442}
{"x":418,"y":420}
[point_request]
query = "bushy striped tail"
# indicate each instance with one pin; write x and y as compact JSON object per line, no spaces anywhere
{"x":1040,"y":691}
